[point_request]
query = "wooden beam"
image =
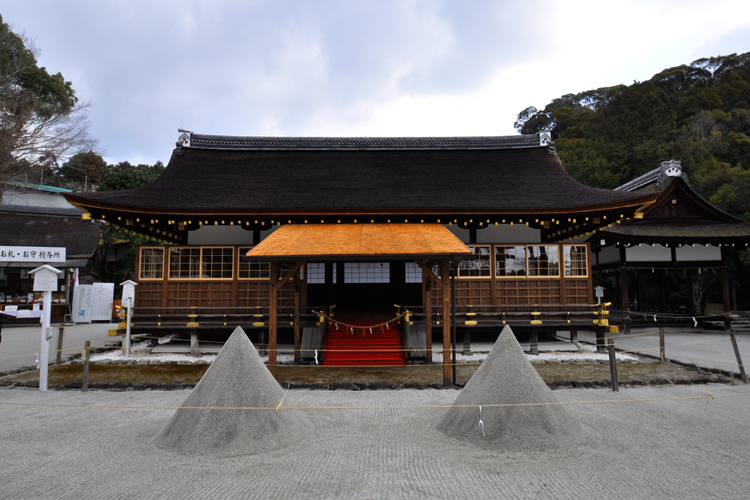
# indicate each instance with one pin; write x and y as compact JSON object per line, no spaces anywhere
{"x":446,"y":283}
{"x":289,"y":274}
{"x":427,"y":270}
{"x":272,"y":319}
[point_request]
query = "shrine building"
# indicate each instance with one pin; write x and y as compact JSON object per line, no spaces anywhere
{"x":322,"y":238}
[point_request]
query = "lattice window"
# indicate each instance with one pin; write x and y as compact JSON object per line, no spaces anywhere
{"x":413,"y":273}
{"x":152,"y":264}
{"x":316,"y":273}
{"x":252,"y":269}
{"x":574,"y":259}
{"x":367,"y":272}
{"x":510,"y":260}
{"x":216,"y":263}
{"x":543,"y":260}
{"x":480,"y":266}
{"x":185,"y":263}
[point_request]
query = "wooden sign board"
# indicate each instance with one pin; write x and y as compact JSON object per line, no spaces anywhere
{"x":128,"y":290}
{"x":45,"y":278}
{"x":32,"y":254}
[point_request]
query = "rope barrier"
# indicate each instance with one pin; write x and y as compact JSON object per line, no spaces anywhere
{"x":707,"y":396}
{"x":360,"y":327}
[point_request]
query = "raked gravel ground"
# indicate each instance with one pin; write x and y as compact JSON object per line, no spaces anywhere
{"x":379,"y":444}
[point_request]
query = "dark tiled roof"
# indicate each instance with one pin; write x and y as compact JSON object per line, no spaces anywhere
{"x":361,"y":179}
{"x":201,"y":141}
{"x":669,"y":231}
{"x":79,"y":237}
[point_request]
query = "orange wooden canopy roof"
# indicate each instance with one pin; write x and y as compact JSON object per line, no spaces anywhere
{"x":360,"y":241}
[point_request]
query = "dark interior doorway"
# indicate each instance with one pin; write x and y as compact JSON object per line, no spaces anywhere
{"x":363,"y":286}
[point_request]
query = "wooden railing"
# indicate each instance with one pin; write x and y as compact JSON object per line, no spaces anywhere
{"x":213,"y":317}
{"x":581,"y":316}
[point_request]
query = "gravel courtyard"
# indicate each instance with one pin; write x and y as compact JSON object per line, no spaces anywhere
{"x":380,"y":444}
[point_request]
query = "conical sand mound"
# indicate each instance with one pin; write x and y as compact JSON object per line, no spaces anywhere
{"x":236,"y":379}
{"x":507,"y":377}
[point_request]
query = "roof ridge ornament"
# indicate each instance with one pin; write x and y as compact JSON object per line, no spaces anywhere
{"x":183,"y":140}
{"x":670,"y":168}
{"x":545,"y":139}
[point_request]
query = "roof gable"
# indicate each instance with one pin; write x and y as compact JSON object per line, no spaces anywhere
{"x":679,"y":204}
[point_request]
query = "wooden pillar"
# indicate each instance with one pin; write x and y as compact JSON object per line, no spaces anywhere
{"x":725,"y":292}
{"x":272,"y":313}
{"x":637,"y":291}
{"x":428,"y":315}
{"x":467,"y":342}
{"x":661,"y":276}
{"x":445,"y":278}
{"x":297,"y":307}
{"x":194,"y":342}
{"x":534,"y":341}
{"x":689,"y":302}
{"x":624,"y":290}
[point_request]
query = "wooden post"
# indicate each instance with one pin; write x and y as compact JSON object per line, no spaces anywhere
{"x":661,"y":276}
{"x":689,"y":303}
{"x":60,"y":335}
{"x":613,"y":366}
{"x":534,"y":341}
{"x":85,"y":381}
{"x":625,"y":304}
{"x":737,"y":353}
{"x":428,"y":315}
{"x":661,"y":346}
{"x":453,"y":326}
{"x":272,"y":310}
{"x":467,"y":342}
{"x":127,"y":327}
{"x":728,"y":321}
{"x":297,"y":306}
{"x":445,"y":278}
{"x":573,"y":335}
{"x":46,"y":335}
{"x":193,"y":342}
{"x":600,"y":339}
{"x":262,"y":346}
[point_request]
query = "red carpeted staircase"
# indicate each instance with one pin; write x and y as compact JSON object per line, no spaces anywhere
{"x":383,"y":347}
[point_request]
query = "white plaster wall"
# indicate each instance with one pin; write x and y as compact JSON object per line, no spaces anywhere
{"x":502,"y":233}
{"x":608,"y":255}
{"x":224,"y":235}
{"x":648,"y":253}
{"x":698,"y":253}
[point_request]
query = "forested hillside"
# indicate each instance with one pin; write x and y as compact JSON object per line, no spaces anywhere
{"x":697,"y":113}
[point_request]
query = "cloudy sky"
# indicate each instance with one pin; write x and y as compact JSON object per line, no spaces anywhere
{"x":353,"y":68}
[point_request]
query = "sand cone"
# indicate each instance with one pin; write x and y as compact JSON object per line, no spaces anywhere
{"x":236,"y":379}
{"x":507,"y":377}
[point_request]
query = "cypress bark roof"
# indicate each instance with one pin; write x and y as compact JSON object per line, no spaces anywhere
{"x":246,"y":174}
{"x":360,"y":241}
